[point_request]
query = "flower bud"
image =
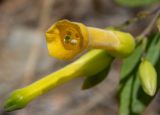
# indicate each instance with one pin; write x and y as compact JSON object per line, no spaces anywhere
{"x":148,"y":77}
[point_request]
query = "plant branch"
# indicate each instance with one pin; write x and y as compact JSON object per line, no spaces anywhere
{"x":149,"y":27}
{"x":140,"y":16}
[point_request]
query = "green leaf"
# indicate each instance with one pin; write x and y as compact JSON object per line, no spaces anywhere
{"x":94,"y":80}
{"x":126,"y":79}
{"x":135,"y":3}
{"x":154,"y":49}
{"x":130,"y":62}
{"x":125,"y":96}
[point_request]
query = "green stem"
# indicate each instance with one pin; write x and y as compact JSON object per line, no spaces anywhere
{"x":89,"y":64}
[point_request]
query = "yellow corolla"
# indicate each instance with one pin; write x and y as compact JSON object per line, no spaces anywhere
{"x":66,"y":39}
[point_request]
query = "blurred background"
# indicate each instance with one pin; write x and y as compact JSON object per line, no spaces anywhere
{"x":24,"y":56}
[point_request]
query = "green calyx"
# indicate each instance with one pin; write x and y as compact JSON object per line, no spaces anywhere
{"x":16,"y":101}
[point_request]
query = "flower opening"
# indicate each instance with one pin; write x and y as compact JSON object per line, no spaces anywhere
{"x":66,"y":39}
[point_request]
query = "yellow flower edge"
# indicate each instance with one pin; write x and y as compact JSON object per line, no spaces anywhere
{"x":66,"y":39}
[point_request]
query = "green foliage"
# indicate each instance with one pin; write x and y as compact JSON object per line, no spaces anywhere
{"x":133,"y":99}
{"x":136,"y":3}
{"x":130,"y":62}
{"x":126,"y":82}
{"x":154,"y":49}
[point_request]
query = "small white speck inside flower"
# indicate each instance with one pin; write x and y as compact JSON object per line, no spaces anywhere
{"x":73,"y":41}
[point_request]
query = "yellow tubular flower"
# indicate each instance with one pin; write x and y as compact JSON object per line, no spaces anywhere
{"x":67,"y":39}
